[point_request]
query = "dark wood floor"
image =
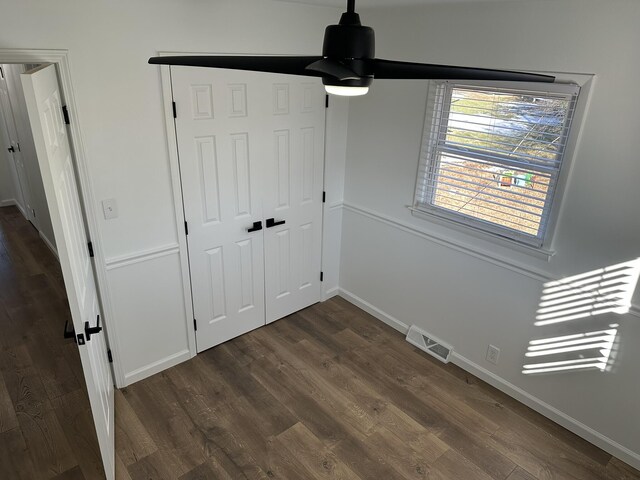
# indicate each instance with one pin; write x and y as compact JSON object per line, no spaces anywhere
{"x":331,"y":392}
{"x":327,"y":393}
{"x":46,"y":428}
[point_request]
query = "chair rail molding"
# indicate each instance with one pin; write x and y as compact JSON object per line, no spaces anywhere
{"x":462,"y":247}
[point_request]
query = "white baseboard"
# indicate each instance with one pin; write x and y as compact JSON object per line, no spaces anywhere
{"x":156,"y":367}
{"x":49,"y":244}
{"x":571,"y":424}
{"x":8,"y":203}
{"x":376,"y":312}
{"x":332,"y":292}
{"x":552,"y":413}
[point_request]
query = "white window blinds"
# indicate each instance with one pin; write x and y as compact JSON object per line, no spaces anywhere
{"x":491,"y":155}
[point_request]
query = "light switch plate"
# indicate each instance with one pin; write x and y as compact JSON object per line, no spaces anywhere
{"x":110,"y":208}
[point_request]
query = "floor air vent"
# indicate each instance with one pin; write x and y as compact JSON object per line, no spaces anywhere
{"x":428,"y":343}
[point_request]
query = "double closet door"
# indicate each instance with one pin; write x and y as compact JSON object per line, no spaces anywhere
{"x":251,"y":154}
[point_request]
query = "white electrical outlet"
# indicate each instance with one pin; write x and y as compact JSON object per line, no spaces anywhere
{"x":493,"y":354}
{"x":110,"y":208}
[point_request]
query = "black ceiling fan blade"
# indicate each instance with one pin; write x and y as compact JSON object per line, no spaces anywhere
{"x":333,"y":68}
{"x":390,"y":69}
{"x":272,"y":64}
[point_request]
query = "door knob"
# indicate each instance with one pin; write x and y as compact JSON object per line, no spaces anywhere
{"x":256,"y":227}
{"x":271,"y":222}
{"x":88,"y":331}
{"x":12,"y":149}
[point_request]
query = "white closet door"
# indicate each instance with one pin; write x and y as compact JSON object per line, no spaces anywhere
{"x":293,"y":195}
{"x":219,"y":131}
{"x":251,"y":150}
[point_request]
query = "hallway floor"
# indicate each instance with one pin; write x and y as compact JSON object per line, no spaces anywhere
{"x":46,"y":428}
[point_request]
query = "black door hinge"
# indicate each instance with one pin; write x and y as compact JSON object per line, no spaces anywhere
{"x":186,"y":228}
{"x":1,"y":73}
{"x":109,"y":356}
{"x":90,"y":246}
{"x":65,"y":114}
{"x":322,"y":276}
{"x":326,"y":101}
{"x":175,"y":111}
{"x":195,"y":324}
{"x":324,"y":197}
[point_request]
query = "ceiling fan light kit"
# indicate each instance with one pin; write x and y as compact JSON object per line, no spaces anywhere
{"x":348,"y":65}
{"x":346,"y":91}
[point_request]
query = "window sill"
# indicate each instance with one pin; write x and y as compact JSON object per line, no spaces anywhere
{"x":539,"y":253}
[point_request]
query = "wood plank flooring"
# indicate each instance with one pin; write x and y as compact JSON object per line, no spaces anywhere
{"x":331,"y":393}
{"x":327,"y":393}
{"x":46,"y":428}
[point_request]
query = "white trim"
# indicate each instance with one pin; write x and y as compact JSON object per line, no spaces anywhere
{"x":332,"y":292}
{"x":141,"y":256}
{"x":48,"y":243}
{"x":61,"y":59}
{"x":452,"y":243}
{"x":472,"y":230}
{"x":178,"y":205}
{"x":375,"y":311}
{"x":10,"y":202}
{"x":156,"y":367}
{"x":22,"y":210}
{"x":543,"y":408}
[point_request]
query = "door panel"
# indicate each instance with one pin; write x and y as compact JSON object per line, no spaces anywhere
{"x":54,"y":156}
{"x":219,"y":150}
{"x":293,"y":194}
{"x":251,"y":147}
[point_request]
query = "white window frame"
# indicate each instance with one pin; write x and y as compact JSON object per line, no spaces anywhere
{"x":486,"y":230}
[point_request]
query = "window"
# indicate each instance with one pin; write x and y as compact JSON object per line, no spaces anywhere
{"x":492,"y":154}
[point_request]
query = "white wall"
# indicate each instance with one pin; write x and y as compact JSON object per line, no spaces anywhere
{"x":121,"y":116}
{"x":398,"y":267}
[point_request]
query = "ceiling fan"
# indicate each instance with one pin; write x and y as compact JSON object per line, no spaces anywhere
{"x":348,"y":64}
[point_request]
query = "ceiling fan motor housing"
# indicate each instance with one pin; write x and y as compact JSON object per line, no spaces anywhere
{"x":349,"y":42}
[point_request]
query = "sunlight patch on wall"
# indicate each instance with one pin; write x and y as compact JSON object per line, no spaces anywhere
{"x":572,"y":352}
{"x":585,"y":297}
{"x":606,"y":290}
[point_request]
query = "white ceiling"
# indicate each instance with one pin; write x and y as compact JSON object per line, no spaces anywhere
{"x":377,"y":3}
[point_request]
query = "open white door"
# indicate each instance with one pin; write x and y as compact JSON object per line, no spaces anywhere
{"x":7,"y":120}
{"x":42,"y":95}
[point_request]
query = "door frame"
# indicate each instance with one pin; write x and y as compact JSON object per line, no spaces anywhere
{"x":60,"y":58}
{"x":178,"y":202}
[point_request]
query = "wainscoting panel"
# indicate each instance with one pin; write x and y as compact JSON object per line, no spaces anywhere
{"x":148,"y":303}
